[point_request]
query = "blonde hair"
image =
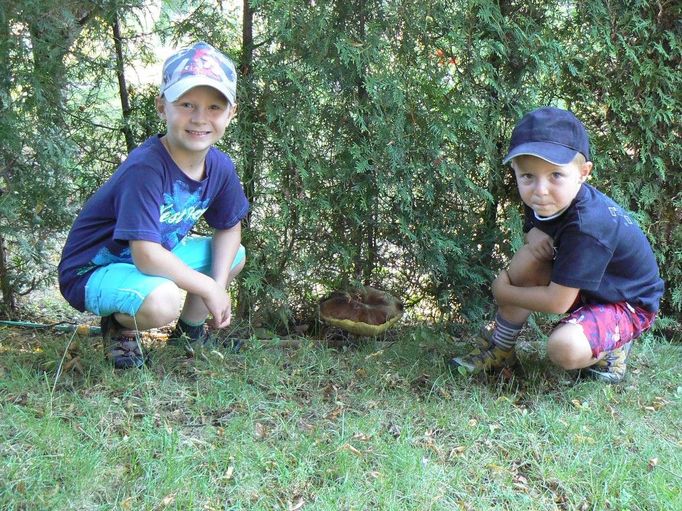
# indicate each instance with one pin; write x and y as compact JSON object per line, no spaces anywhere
{"x":579,"y":160}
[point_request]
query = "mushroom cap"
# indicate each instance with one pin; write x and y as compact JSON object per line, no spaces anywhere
{"x":366,"y":312}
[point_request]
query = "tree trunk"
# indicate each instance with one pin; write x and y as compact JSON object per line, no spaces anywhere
{"x":122,"y":86}
{"x":9,"y":303}
{"x":244,"y":297}
{"x":366,"y":258}
{"x":8,"y":295}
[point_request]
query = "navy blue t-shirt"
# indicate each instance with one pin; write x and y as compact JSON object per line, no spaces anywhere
{"x":148,"y":198}
{"x":602,"y":251}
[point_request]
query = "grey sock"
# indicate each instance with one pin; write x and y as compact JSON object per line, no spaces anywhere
{"x":505,"y":333}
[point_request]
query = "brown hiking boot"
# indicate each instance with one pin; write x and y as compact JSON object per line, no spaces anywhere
{"x":122,"y":349}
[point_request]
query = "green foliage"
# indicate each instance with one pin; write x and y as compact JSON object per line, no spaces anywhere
{"x":354,"y":154}
{"x":34,"y":157}
{"x":370,"y":133}
{"x":629,"y":95}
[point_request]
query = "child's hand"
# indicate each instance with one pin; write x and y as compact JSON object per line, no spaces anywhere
{"x":219,"y":306}
{"x":541,"y":245}
{"x":216,"y":322}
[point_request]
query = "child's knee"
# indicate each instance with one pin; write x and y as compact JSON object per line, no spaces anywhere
{"x":568,"y":347}
{"x":160,"y":307}
{"x":234,"y":271}
{"x":238,"y":263}
{"x":526,"y":269}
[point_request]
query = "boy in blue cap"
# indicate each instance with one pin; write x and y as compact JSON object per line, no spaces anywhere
{"x":584,"y":256}
{"x":128,"y":255}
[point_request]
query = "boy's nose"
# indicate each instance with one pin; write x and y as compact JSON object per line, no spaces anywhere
{"x":198,"y":115}
{"x":541,"y":187}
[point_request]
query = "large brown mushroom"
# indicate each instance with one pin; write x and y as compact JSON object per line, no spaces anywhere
{"x":367,"y":311}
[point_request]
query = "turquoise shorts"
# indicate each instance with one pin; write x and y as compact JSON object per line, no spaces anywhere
{"x":121,"y":287}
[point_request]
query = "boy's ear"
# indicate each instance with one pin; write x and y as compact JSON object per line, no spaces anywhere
{"x":161,"y":107}
{"x":234,"y":111}
{"x":585,"y":170}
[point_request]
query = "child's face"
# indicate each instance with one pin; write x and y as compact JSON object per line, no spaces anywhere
{"x":546,"y":188}
{"x":196,"y":120}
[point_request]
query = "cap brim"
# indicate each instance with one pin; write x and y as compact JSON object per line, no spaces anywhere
{"x":176,"y":90}
{"x":552,"y":153}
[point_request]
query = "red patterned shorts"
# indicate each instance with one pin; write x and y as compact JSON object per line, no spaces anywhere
{"x":609,"y":326}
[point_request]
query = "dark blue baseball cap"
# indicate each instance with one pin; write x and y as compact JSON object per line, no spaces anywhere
{"x":553,"y":134}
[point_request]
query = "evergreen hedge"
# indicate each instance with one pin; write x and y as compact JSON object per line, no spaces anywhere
{"x":370,"y":136}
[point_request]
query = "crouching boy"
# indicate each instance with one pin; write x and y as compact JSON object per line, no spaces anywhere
{"x":584,"y":257}
{"x":128,"y":255}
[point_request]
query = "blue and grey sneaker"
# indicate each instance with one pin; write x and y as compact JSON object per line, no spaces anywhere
{"x":188,"y":337}
{"x":613,"y":366}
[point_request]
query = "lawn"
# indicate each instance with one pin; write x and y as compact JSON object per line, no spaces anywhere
{"x":375,"y":425}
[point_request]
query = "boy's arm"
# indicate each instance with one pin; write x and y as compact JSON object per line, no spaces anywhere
{"x":225,"y":246}
{"x":153,"y":259}
{"x":553,"y":299}
{"x":224,"y":249}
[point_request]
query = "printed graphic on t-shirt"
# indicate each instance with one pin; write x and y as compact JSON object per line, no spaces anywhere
{"x":178,"y":214}
{"x":104,"y":257}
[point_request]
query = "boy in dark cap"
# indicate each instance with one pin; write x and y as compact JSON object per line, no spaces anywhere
{"x":584,"y":257}
{"x":128,"y":254}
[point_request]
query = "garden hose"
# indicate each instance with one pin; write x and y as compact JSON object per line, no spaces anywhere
{"x":62,"y":326}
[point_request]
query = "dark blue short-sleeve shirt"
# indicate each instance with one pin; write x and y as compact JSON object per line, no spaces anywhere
{"x":601,"y":250}
{"x":148,"y":198}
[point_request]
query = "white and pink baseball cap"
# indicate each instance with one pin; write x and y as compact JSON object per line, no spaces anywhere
{"x":197,"y":65}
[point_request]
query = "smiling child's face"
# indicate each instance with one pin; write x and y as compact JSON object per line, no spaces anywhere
{"x":196,"y":120}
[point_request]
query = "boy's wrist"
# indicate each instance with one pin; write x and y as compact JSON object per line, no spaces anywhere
{"x":200,"y":284}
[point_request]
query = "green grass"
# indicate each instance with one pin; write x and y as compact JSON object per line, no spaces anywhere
{"x":377,"y":426}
